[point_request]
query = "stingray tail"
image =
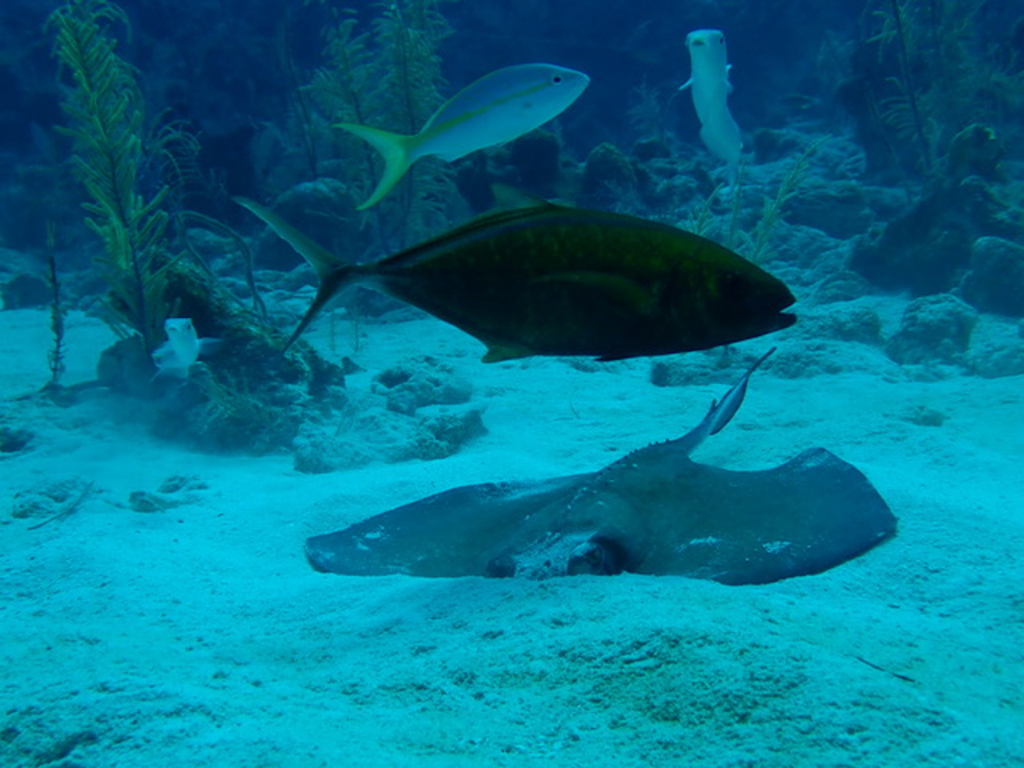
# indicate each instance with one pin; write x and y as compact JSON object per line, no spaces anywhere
{"x":333,"y":274}
{"x":396,"y":150}
{"x":723,"y":410}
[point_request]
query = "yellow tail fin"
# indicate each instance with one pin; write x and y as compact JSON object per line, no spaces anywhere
{"x":393,"y":147}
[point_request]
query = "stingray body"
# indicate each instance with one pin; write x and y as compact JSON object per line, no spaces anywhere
{"x":655,"y":511}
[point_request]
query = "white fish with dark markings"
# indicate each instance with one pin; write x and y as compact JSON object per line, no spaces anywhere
{"x":710,"y":88}
{"x":183,"y":347}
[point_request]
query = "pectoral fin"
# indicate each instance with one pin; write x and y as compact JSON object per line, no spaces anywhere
{"x":497,"y":353}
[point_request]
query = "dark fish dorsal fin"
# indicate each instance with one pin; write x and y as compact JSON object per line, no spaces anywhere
{"x":512,"y":204}
{"x":509,"y":198}
{"x":721,"y":411}
{"x":485,"y":222}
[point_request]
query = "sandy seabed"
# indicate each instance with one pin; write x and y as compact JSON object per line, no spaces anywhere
{"x":199,"y":636}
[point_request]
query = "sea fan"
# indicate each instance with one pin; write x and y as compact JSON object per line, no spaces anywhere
{"x":104,"y":108}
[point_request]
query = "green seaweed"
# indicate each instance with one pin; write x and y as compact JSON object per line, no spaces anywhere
{"x":408,"y":40}
{"x":701,"y":218}
{"x":943,"y":78}
{"x":756,"y":246}
{"x":340,"y":92}
{"x":181,"y":218}
{"x":250,"y":397}
{"x":755,"y":242}
{"x":410,"y":93}
{"x":646,"y":114}
{"x":55,"y":358}
{"x":389,"y":77}
{"x":104,"y":108}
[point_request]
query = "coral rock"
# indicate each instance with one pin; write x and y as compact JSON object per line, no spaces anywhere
{"x":607,"y":173}
{"x":996,"y":280}
{"x":933,"y":329}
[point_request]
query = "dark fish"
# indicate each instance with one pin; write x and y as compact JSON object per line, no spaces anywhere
{"x":654,"y":511}
{"x":552,"y":280}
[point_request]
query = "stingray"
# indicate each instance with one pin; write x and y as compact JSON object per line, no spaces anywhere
{"x":654,"y":511}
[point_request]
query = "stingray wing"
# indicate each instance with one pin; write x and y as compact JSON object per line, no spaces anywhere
{"x":454,"y":533}
{"x":810,"y":514}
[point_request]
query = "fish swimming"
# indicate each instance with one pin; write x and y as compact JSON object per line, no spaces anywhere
{"x":710,"y":88}
{"x":655,"y":511}
{"x":183,"y":347}
{"x":552,"y":280}
{"x":495,"y":109}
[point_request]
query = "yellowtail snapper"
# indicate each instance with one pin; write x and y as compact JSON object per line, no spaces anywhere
{"x":553,"y":280}
{"x":495,"y":109}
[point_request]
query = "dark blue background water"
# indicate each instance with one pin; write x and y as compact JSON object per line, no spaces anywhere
{"x":229,"y":68}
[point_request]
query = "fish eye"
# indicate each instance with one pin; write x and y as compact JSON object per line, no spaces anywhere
{"x":556,"y":79}
{"x":721,"y":40}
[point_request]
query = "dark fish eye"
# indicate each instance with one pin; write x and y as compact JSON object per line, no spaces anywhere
{"x":556,"y":79}
{"x":721,"y":40}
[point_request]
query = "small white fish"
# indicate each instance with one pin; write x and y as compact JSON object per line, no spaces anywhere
{"x":495,"y":109}
{"x":710,"y":87}
{"x":182,"y":348}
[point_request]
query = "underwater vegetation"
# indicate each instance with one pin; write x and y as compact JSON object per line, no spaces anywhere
{"x":390,"y":78}
{"x":107,"y":124}
{"x":923,"y":73}
{"x":153,"y":285}
{"x":936,"y":103}
{"x":917,"y":195}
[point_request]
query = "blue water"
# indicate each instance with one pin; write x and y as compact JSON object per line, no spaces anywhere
{"x":156,"y":607}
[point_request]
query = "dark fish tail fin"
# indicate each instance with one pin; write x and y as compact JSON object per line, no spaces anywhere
{"x":331,"y":271}
{"x":331,"y":285}
{"x":320,"y":259}
{"x":723,"y":410}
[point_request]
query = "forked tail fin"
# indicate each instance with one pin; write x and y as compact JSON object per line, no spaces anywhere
{"x":393,"y":147}
{"x":332,"y":273}
{"x":330,"y":286}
